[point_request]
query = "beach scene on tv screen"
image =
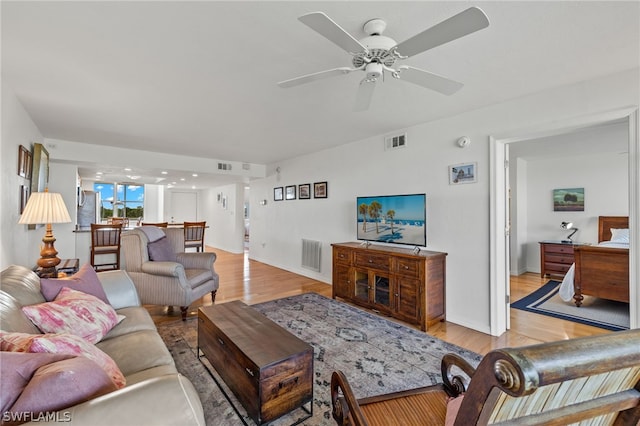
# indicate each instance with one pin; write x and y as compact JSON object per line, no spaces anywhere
{"x":392,"y":219}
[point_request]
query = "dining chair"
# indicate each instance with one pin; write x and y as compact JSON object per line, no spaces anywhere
{"x":105,"y":240}
{"x":119,"y":221}
{"x":158,"y":224}
{"x":194,"y":235}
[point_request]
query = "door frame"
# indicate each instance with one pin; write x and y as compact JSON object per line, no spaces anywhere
{"x":499,"y":267}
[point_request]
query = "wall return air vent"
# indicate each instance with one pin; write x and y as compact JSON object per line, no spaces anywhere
{"x":224,"y":166}
{"x":395,"y":141}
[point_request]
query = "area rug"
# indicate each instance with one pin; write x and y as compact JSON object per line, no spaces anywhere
{"x":377,"y":355}
{"x":607,"y":314}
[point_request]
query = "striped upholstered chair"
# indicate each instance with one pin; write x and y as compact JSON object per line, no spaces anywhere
{"x":166,"y":275}
{"x":587,"y":381}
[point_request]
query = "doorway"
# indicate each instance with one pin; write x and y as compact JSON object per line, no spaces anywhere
{"x":499,"y":214}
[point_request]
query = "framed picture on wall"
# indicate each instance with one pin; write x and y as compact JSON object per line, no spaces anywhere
{"x":278,"y":194}
{"x":463,"y":173}
{"x":304,"y":191}
{"x":24,"y":162}
{"x":24,"y":196}
{"x":290,"y":192}
{"x":568,"y":200}
{"x":320,"y":190}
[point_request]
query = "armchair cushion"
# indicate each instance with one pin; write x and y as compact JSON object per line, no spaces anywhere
{"x":161,"y":251}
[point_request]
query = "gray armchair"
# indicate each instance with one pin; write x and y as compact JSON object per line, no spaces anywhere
{"x":176,"y":282}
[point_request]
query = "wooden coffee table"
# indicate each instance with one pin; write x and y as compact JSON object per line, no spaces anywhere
{"x":268,"y":369}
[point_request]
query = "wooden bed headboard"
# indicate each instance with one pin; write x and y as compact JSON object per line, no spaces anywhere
{"x":605,"y":223}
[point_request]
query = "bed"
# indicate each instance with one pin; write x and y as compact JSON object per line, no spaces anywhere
{"x":601,"y":270}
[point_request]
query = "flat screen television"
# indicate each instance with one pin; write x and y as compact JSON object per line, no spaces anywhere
{"x":399,"y":219}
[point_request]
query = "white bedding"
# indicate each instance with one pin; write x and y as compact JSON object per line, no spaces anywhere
{"x":566,"y":288}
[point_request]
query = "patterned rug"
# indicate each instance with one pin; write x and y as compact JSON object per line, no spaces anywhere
{"x":607,"y":314}
{"x":377,"y":355}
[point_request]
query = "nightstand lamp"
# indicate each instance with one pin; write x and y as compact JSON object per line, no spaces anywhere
{"x":46,"y":208}
{"x":568,"y":225}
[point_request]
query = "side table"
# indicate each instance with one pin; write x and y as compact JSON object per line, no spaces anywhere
{"x":64,"y":268}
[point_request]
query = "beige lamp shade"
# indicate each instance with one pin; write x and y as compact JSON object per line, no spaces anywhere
{"x":43,"y":208}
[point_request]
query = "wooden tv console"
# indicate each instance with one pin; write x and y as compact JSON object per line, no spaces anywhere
{"x":392,"y":281}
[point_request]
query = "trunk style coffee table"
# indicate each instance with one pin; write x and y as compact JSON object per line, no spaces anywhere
{"x":268,"y":369}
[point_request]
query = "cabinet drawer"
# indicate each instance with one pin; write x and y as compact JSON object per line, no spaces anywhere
{"x":342,"y":256}
{"x":565,"y":259}
{"x":558,"y":248}
{"x":407,"y":267}
{"x":372,"y":261}
{"x":556,"y":268}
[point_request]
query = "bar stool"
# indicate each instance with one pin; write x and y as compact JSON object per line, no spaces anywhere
{"x":194,"y":235}
{"x":105,"y":240}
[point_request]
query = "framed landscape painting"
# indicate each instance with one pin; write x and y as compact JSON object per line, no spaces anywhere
{"x":568,"y":200}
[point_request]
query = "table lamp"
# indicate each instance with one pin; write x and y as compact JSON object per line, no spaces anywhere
{"x":568,"y":225}
{"x":46,"y":208}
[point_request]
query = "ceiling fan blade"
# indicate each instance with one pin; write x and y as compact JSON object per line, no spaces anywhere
{"x":364,"y":95}
{"x":315,"y":76}
{"x":462,"y":24}
{"x":429,"y":80}
{"x":326,"y":27}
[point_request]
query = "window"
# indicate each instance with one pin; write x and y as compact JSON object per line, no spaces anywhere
{"x":120,"y":200}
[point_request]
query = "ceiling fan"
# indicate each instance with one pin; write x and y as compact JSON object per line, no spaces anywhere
{"x":377,"y":54}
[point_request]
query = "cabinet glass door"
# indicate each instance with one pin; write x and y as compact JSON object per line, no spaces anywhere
{"x":362,"y":285}
{"x":381,"y":290}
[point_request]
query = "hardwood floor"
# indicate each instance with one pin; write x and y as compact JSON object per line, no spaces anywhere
{"x":254,"y":282}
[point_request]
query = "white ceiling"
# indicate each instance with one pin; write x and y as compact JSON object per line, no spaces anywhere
{"x":199,"y":78}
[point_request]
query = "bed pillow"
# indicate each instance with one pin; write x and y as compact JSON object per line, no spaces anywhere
{"x":74,"y":312}
{"x":161,"y":251}
{"x":85,"y":280}
{"x":74,"y":345}
{"x":620,"y":235}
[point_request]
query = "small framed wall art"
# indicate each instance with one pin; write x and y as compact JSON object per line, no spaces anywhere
{"x":568,"y":200}
{"x":278,"y":194}
{"x":463,"y":173}
{"x":304,"y":191}
{"x":290,"y":192}
{"x":320,"y":190}
{"x":24,"y":162}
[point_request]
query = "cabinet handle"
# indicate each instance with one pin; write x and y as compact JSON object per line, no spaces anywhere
{"x":406,"y":267}
{"x":370,"y":260}
{"x":248,"y":370}
{"x":288,"y":381}
{"x":221,"y":341}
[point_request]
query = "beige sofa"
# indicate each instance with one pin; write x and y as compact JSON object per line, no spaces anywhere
{"x":155,"y":393}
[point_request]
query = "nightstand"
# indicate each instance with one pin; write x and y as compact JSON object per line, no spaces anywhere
{"x":556,"y":257}
{"x":65,"y":267}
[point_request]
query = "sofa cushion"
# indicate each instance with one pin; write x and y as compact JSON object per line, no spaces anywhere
{"x":17,"y":369}
{"x":59,"y":384}
{"x":161,"y":251}
{"x":74,"y":345}
{"x":137,"y":351}
{"x":85,"y":280}
{"x":136,"y":319}
{"x":74,"y":312}
{"x":195,"y":277}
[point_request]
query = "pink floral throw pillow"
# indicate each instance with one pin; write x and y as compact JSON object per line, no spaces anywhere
{"x":15,"y":341}
{"x":73,"y":345}
{"x":74,"y":312}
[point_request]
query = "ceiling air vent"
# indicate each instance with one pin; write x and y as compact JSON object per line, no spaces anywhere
{"x":395,"y":142}
{"x":246,"y":166}
{"x":224,"y":166}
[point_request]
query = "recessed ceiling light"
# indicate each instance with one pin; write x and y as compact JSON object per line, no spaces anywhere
{"x":127,"y":169}
{"x":164,"y":172}
{"x":182,"y":179}
{"x":98,"y":173}
{"x":195,"y":175}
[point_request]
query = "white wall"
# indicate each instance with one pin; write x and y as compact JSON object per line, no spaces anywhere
{"x":18,"y":245}
{"x":458,"y":216}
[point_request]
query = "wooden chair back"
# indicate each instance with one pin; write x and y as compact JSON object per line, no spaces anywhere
{"x":124,"y":221}
{"x":595,"y":380}
{"x":105,"y":240}
{"x":194,"y":235}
